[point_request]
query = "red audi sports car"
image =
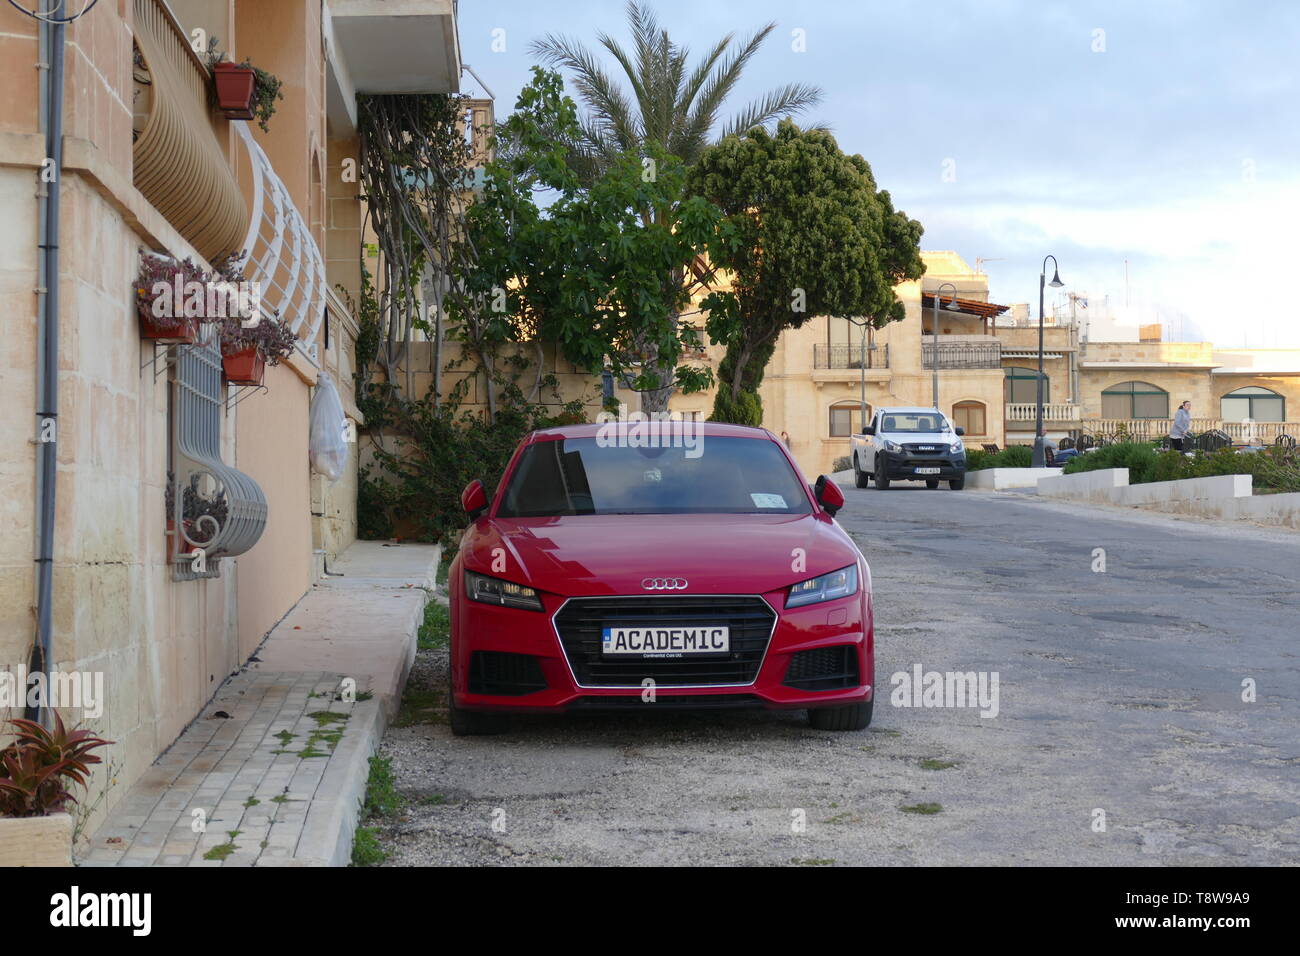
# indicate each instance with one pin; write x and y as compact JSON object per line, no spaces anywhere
{"x":662,"y":565}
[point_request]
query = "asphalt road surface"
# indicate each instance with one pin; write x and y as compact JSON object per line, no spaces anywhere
{"x":1121,"y":734}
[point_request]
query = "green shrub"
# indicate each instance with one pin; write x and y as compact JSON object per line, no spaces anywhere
{"x":843,"y":463}
{"x":1017,"y":456}
{"x":1275,"y":469}
{"x":1138,"y":457}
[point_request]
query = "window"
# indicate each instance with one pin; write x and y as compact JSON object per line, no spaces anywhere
{"x":970,"y":417}
{"x":1022,"y":385}
{"x":1134,"y":400}
{"x":1253,"y":402}
{"x":847,"y":418}
{"x":580,"y":476}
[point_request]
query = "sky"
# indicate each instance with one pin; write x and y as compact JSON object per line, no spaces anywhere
{"x":1151,"y":138}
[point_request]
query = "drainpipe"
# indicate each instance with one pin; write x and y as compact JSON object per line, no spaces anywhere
{"x":47,"y":351}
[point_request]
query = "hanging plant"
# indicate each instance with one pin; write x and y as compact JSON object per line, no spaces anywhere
{"x":161,"y":292}
{"x":247,"y":347}
{"x":244,"y":91}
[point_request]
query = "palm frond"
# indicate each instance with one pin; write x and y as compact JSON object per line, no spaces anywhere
{"x":596,"y":87}
{"x":786,"y":101}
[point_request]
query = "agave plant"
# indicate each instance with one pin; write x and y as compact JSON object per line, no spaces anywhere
{"x":37,"y":769}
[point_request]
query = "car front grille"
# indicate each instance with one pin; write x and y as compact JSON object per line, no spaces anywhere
{"x":668,"y":702}
{"x":504,"y":674}
{"x":826,"y":668}
{"x":925,"y":449}
{"x":581,"y":621}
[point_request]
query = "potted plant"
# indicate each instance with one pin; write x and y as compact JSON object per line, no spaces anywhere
{"x":160,"y":299}
{"x":36,"y":772}
{"x":246,"y":350}
{"x":235,"y":84}
{"x":244,"y":91}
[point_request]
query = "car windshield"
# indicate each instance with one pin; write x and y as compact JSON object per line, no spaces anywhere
{"x":927,"y":422}
{"x":719,"y":475}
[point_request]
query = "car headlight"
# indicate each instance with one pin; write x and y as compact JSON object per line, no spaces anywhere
{"x":891,"y":446}
{"x":480,"y":587}
{"x":957,"y":446}
{"x":827,"y":587}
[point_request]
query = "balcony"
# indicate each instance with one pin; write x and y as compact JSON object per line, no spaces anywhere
{"x":180,"y":165}
{"x":966,"y":354}
{"x":396,"y":46}
{"x":850,"y":357}
{"x":1052,"y":412}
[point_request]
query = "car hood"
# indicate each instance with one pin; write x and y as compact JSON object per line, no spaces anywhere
{"x":612,"y":554}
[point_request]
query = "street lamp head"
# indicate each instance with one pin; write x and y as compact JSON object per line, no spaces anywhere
{"x":952,"y":305}
{"x":1056,"y":282}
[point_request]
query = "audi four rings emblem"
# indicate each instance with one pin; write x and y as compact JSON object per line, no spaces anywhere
{"x":663,"y":584}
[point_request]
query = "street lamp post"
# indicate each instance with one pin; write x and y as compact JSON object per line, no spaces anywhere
{"x":1040,"y":456}
{"x":934,"y":344}
{"x":862,"y":371}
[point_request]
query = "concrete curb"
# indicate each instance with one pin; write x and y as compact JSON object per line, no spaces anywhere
{"x":332,"y":821}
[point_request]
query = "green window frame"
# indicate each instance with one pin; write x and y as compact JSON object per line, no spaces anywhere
{"x":1255,"y":402}
{"x":1134,"y":400}
{"x":1021,"y":386}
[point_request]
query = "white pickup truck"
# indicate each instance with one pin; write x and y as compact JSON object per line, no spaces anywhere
{"x":909,"y":444}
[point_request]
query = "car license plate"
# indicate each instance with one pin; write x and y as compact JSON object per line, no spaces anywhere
{"x":927,"y":471}
{"x":664,"y":641}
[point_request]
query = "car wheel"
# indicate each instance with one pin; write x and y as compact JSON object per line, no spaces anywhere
{"x":859,"y":476}
{"x":471,"y":723}
{"x":882,"y":479}
{"x":932,"y":483}
{"x":957,"y":484}
{"x":852,"y":717}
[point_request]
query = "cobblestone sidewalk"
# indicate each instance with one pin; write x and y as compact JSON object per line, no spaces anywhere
{"x":258,"y":780}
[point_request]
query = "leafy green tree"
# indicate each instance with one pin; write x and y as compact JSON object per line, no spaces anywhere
{"x":810,"y":234}
{"x":673,"y":109}
{"x":594,"y":271}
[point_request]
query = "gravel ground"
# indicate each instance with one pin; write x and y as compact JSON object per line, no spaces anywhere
{"x":1120,"y":692}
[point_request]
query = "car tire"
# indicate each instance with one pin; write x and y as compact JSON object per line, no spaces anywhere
{"x":852,"y":717}
{"x":860,"y":477}
{"x":957,"y":484}
{"x":472,"y":723}
{"x":882,"y":480}
{"x":932,"y":483}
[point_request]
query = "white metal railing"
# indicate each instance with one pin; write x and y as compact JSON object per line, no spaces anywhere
{"x":280,"y":252}
{"x":1052,"y":412}
{"x":1153,"y":428}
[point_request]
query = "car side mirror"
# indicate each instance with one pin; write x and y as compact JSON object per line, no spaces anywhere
{"x":868,"y":429}
{"x":828,"y":495}
{"x":474,"y":500}
{"x":960,"y":431}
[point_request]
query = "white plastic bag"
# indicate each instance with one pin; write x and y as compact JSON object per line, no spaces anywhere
{"x":327,"y":445}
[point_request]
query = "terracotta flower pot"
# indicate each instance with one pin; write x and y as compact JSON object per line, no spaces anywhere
{"x":245,"y":367}
{"x":235,"y":86}
{"x":168,"y":331}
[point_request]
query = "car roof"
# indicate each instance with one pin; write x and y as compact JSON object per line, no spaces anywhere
{"x":906,"y":409}
{"x":706,"y":429}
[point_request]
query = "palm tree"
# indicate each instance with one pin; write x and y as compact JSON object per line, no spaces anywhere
{"x":672,"y":103}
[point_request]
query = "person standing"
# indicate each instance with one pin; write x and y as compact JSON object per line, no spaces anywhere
{"x":1182,"y":424}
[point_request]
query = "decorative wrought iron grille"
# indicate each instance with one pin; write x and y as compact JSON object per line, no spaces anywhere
{"x":213,"y":507}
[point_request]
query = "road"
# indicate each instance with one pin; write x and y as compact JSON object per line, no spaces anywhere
{"x":1120,"y":693}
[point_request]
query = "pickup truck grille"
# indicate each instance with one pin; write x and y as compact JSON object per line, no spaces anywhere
{"x":922,"y":449}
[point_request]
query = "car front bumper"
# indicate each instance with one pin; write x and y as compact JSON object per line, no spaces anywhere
{"x":824,"y":641}
{"x":903,"y":466}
